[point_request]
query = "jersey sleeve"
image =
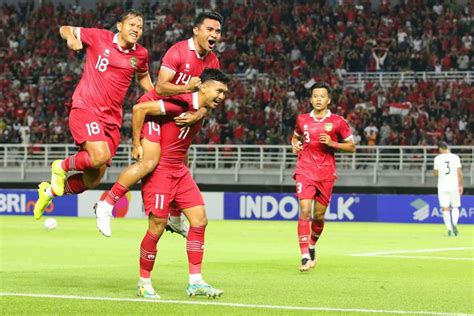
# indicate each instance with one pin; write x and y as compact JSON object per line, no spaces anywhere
{"x":142,"y":67}
{"x":89,"y":36}
{"x":457,"y":162}
{"x":436,"y":163}
{"x":216,"y":64}
{"x":297,"y":130}
{"x":170,"y":108}
{"x":151,"y":95}
{"x":345,"y":130}
{"x":171,"y":60}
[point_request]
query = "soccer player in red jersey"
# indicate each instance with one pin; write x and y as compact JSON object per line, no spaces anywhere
{"x":171,"y":181}
{"x":181,"y":67}
{"x":95,"y":116}
{"x":317,"y":136}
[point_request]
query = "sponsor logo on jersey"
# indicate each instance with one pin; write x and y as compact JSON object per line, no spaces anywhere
{"x":133,"y":62}
{"x":328,"y":127}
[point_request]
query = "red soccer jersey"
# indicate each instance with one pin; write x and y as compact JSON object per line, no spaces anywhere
{"x":108,"y":72}
{"x":183,"y":59}
{"x":316,"y":160}
{"x":176,"y":140}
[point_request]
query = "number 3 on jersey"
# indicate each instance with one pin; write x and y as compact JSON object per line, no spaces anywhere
{"x":306,"y":137}
{"x":102,"y":64}
{"x":299,"y":187}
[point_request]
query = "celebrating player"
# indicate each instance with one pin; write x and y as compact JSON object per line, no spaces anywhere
{"x":171,"y":181}
{"x":96,"y":112}
{"x":317,"y":136}
{"x":179,"y":73}
{"x":448,"y":169}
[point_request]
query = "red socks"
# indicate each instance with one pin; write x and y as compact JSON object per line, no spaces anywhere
{"x":316,"y":230}
{"x":80,"y":161}
{"x":303,"y":235}
{"x":74,"y":184}
{"x":195,"y":248}
{"x":148,"y":252}
{"x":115,"y":193}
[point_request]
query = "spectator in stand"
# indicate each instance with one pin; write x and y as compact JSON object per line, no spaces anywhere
{"x":37,"y":80}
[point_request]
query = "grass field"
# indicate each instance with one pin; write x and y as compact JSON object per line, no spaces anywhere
{"x":397,"y":269}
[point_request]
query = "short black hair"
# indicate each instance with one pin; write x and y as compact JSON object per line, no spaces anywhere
{"x":213,"y":15}
{"x":131,"y":12}
{"x":442,"y":145}
{"x":321,"y":85}
{"x":214,"y":74}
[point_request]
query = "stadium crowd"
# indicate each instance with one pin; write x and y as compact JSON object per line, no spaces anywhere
{"x":278,"y":39}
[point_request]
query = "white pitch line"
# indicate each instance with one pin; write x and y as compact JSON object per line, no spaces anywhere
{"x":381,"y":253}
{"x":299,"y":308}
{"x":425,"y":257}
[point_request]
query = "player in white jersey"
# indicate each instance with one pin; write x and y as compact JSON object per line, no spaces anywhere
{"x":448,"y":169}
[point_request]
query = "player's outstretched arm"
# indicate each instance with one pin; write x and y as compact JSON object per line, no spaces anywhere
{"x":164,"y":87}
{"x":70,"y":34}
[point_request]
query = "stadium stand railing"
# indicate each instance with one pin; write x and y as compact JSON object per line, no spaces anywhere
{"x":255,"y":164}
{"x":359,"y":79}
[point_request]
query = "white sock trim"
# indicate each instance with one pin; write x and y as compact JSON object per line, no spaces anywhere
{"x":196,"y":278}
{"x":455,"y":215}
{"x":447,"y":219}
{"x":145,"y":280}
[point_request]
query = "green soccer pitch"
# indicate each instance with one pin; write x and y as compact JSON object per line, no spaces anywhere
{"x":363,"y":268}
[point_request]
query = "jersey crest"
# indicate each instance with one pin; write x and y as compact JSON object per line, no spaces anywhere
{"x":328,"y":127}
{"x":133,"y":62}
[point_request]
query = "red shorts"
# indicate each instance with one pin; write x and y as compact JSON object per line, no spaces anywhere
{"x":164,"y":189}
{"x":151,"y":129}
{"x":85,"y":126}
{"x":307,"y":189}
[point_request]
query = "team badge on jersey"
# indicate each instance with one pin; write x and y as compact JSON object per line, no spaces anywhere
{"x":106,"y":52}
{"x":133,"y":62}
{"x":328,"y":127}
{"x":305,"y":127}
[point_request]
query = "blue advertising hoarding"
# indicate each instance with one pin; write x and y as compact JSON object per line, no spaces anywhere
{"x":346,"y":207}
{"x":22,"y":202}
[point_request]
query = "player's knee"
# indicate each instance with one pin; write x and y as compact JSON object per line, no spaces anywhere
{"x":150,"y":165}
{"x":157,"y":225}
{"x":92,"y":183}
{"x":100,"y":157}
{"x":318,"y":217}
{"x":305,"y":214}
{"x":199,"y":222}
